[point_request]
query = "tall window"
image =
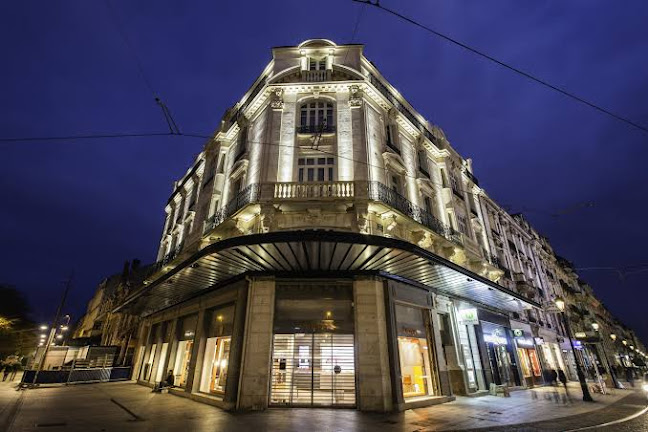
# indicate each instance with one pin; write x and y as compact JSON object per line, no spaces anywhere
{"x":423,"y":162}
{"x":427,"y":201}
{"x":396,"y":185}
{"x":313,"y":169}
{"x":315,"y":115}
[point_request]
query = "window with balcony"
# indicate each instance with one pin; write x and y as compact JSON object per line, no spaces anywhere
{"x":315,"y":169}
{"x":390,"y":138}
{"x":427,"y":202}
{"x":456,"y":185}
{"x":396,"y":184}
{"x":462,"y":225}
{"x":423,"y":162}
{"x":241,"y":144}
{"x":316,"y":117}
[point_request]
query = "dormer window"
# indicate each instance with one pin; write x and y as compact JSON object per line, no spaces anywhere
{"x":314,"y":64}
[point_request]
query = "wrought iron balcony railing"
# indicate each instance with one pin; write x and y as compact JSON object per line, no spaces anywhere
{"x":246,"y":196}
{"x":314,"y":190}
{"x":380,"y":192}
{"x":315,"y":129}
{"x":172,"y":254}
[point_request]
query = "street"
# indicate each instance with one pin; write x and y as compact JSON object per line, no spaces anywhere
{"x":126,"y":406}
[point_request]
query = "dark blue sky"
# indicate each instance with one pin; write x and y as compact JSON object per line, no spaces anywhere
{"x":89,"y":205}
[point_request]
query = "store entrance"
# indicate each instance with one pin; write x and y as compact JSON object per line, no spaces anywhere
{"x":313,"y":369}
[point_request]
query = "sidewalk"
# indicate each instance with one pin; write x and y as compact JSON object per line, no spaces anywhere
{"x":89,"y":407}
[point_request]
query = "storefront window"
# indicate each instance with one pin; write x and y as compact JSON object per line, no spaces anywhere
{"x":217,"y":349}
{"x":186,"y":334}
{"x":524,"y":363}
{"x":414,"y":352}
{"x":166,"y":337}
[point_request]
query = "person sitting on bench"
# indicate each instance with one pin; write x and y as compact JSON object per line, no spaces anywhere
{"x":167,"y":383}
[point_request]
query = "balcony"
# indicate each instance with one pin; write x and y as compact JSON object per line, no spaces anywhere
{"x":172,"y":254}
{"x":316,"y":75}
{"x":315,"y":129}
{"x":246,"y":196}
{"x":318,"y":190}
{"x":380,"y":192}
{"x":471,"y":177}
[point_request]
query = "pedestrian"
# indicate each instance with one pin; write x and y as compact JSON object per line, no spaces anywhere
{"x":169,"y":381}
{"x":5,"y":372}
{"x":553,"y":377}
{"x":630,"y":376}
{"x":563,"y":379}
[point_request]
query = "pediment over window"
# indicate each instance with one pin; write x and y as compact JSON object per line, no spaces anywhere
{"x":296,"y":75}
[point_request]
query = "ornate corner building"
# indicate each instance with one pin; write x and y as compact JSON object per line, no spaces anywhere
{"x":329,"y":247}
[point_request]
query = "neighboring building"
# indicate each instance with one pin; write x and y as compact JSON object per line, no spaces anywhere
{"x":100,"y":325}
{"x":329,"y":247}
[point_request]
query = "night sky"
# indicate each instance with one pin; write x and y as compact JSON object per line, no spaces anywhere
{"x":88,"y":205}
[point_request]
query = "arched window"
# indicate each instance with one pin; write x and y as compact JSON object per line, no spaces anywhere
{"x":316,"y":116}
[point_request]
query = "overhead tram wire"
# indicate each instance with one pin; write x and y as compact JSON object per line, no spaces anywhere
{"x":505,"y":65}
{"x":210,"y":137}
{"x":168,"y":118}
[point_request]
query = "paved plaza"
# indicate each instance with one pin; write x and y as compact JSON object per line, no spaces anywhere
{"x":126,"y":406}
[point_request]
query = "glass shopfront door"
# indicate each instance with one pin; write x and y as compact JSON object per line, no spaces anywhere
{"x":500,"y":354}
{"x":313,"y":358}
{"x":313,"y":370}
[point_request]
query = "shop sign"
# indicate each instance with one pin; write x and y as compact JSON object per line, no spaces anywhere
{"x":495,"y":338}
{"x":518,"y":332}
{"x":468,"y":317}
{"x":578,"y":344}
{"x":580,"y":335}
{"x":524,"y":341}
{"x":408,"y":331}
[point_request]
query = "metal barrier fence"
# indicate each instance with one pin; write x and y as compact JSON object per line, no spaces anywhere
{"x":81,"y":375}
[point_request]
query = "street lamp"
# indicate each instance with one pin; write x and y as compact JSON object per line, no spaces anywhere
{"x":587,"y":397}
{"x":615,"y":382}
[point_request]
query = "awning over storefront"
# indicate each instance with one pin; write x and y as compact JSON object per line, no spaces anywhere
{"x":317,"y":253}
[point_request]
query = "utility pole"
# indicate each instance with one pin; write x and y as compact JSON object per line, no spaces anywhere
{"x":52,"y":333}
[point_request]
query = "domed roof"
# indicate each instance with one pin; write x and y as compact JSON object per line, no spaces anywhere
{"x":314,"y":43}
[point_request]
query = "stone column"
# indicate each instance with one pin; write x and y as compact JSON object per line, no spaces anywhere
{"x":138,"y":357}
{"x":198,"y":347}
{"x":236,"y":347}
{"x":372,"y":357}
{"x":254,"y":381}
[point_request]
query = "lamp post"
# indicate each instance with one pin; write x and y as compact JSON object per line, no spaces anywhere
{"x":587,"y":397}
{"x":615,"y":382}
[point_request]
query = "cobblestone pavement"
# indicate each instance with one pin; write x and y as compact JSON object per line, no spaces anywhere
{"x":129,"y":407}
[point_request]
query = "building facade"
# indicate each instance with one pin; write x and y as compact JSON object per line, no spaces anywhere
{"x":329,"y":247}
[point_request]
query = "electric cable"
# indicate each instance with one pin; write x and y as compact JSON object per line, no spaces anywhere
{"x":505,"y":65}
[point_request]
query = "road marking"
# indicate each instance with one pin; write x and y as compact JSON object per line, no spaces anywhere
{"x":623,"y":420}
{"x":135,"y":416}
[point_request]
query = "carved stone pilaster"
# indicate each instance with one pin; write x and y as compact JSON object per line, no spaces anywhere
{"x":277,"y":103}
{"x":268,"y":220}
{"x":355,"y":97}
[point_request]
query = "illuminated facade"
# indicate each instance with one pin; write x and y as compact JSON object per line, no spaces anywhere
{"x":329,"y":247}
